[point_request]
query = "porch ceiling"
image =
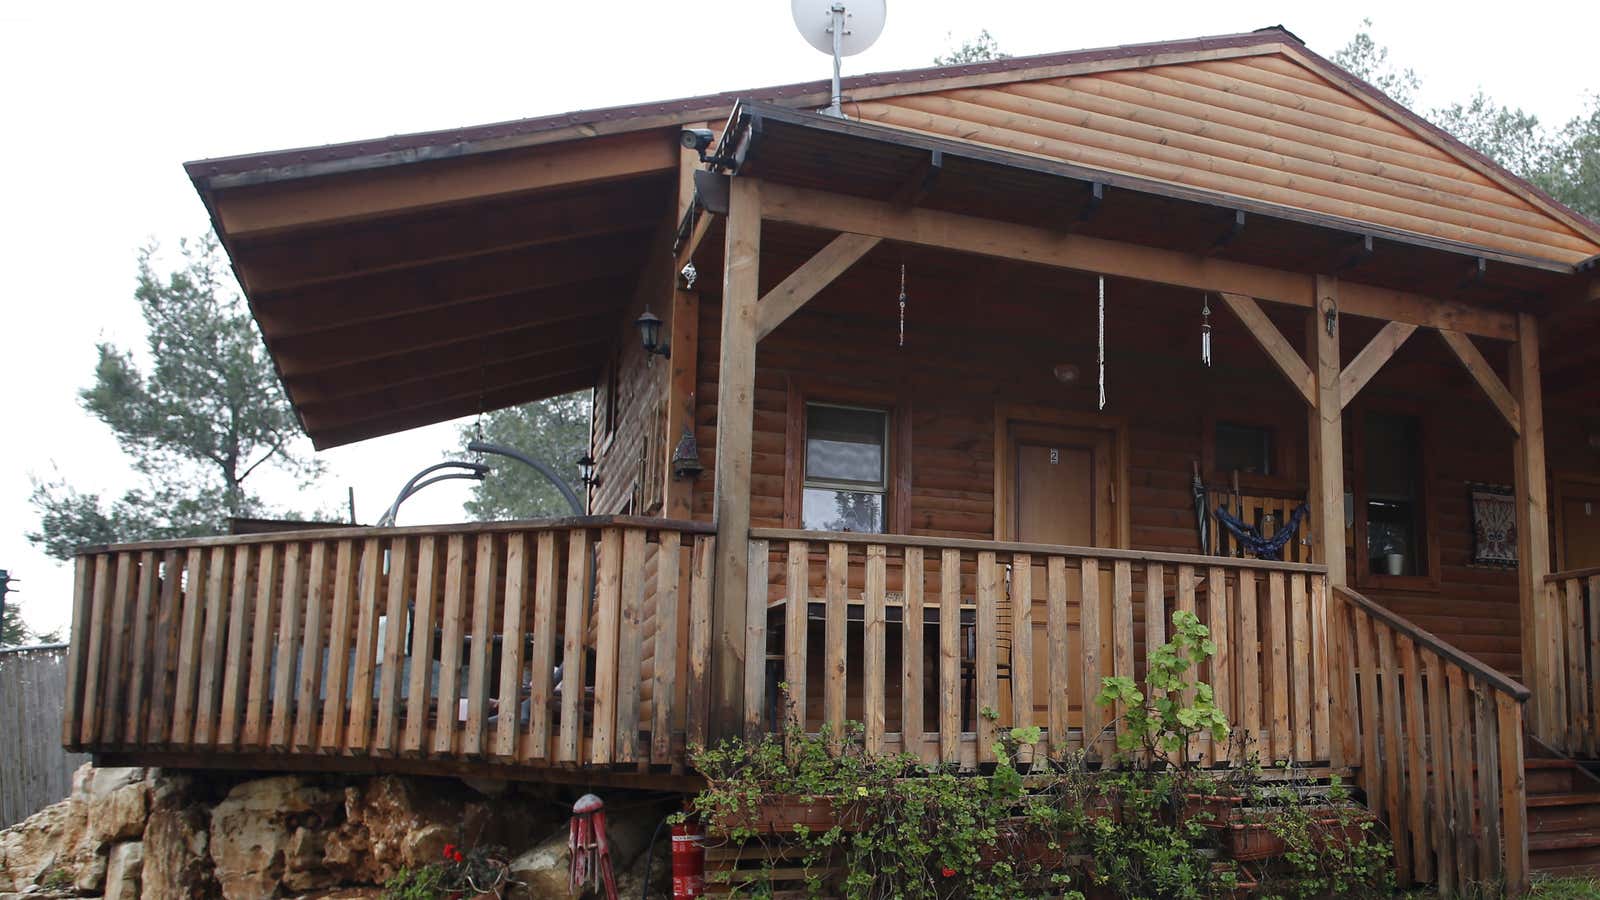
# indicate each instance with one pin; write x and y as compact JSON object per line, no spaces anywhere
{"x":473,"y":284}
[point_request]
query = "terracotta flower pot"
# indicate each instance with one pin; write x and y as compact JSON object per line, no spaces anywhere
{"x":783,"y":813}
{"x":1253,"y":839}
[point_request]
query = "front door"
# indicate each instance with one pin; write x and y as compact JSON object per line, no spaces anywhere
{"x":1061,"y":493}
{"x":1580,"y":525}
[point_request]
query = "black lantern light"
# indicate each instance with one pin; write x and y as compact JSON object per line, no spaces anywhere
{"x":686,"y":457}
{"x":586,"y":470}
{"x":650,"y":334}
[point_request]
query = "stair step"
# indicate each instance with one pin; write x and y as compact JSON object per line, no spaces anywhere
{"x":1564,"y":840}
{"x":1569,"y":799}
{"x":1549,"y":764}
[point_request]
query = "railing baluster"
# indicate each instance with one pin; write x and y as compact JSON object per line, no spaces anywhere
{"x":797,"y":593}
{"x":1591,"y":682}
{"x":1321,"y":742}
{"x":235,"y":672}
{"x":1278,"y":657}
{"x":269,"y":573}
{"x":1057,"y":667}
{"x":580,"y":559}
{"x":485,"y":589}
{"x":1221,"y":665}
{"x":1462,"y":756}
{"x":84,"y":568}
{"x":1577,"y":684}
{"x":385,"y":740}
{"x":1415,"y":773}
{"x":630,"y":646}
{"x":663,"y":686}
{"x":1367,"y":663}
{"x":1446,"y":829}
{"x":188,"y":648}
{"x":949,"y":656}
{"x":513,"y":631}
{"x":1487,"y":743}
{"x":1513,"y":790}
{"x":987,"y":676}
{"x":911,"y":663}
{"x":608,"y":602}
{"x":1300,"y":621}
{"x":370,"y":586}
{"x":1155,"y":607}
{"x":1089,"y":643}
{"x":1122,"y":626}
{"x":213,"y":648}
{"x":331,"y":738}
{"x":1393,"y":770}
{"x":447,"y":707}
{"x":541,"y":663}
{"x":115,"y":684}
{"x":755,"y":641}
{"x":1247,"y":652}
{"x":874,"y":665}
{"x":419,"y":690}
{"x":283,"y":675}
{"x":1021,"y":661}
{"x":700,"y":580}
{"x":833,"y":685}
{"x":139,"y":681}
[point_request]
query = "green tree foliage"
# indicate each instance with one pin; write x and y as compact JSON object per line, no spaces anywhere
{"x":555,"y":432}
{"x":978,"y":49}
{"x":1564,"y":162}
{"x":205,"y":415}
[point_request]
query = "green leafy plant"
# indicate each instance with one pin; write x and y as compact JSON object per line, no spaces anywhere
{"x":1176,"y":710}
{"x":459,"y":873}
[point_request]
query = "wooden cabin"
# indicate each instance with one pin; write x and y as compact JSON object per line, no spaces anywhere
{"x":927,"y":431}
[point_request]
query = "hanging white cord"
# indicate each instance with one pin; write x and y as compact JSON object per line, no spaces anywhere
{"x":1102,"y":342}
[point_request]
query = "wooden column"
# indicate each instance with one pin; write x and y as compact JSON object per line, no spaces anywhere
{"x":1326,"y":493}
{"x":678,"y":493}
{"x":735,"y":424}
{"x":1533,"y":530}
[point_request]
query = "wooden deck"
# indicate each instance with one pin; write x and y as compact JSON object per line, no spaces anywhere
{"x":577,"y":649}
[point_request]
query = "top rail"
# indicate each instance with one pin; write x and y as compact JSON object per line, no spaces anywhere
{"x":1557,"y":577}
{"x":1478,"y":668}
{"x":462,"y":528}
{"x":943,"y":543}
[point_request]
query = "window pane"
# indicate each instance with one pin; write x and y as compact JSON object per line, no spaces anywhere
{"x":845,"y":445}
{"x":1244,"y":448}
{"x":825,"y":509}
{"x":1393,"y":471}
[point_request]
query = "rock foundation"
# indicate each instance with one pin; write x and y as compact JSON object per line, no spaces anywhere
{"x":157,"y":834}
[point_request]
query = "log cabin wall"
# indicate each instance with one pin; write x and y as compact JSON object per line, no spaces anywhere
{"x":627,"y":429}
{"x":980,"y":333}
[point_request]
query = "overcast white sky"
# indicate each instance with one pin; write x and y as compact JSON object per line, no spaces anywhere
{"x":101,"y":104}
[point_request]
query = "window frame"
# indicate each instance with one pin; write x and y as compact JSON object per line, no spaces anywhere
{"x":1361,"y":563}
{"x":1286,"y":454}
{"x":897,"y":445}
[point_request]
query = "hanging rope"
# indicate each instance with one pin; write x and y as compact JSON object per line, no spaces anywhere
{"x":902,"y":304}
{"x":1102,"y":342}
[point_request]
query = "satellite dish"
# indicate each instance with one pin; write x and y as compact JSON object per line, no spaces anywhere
{"x":839,"y":28}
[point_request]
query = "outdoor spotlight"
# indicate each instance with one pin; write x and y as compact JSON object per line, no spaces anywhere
{"x":650,"y":333}
{"x":1066,"y":373}
{"x":586,"y":470}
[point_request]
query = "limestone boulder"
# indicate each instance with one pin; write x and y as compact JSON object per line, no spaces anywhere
{"x":177,"y":839}
{"x":268,"y":832}
{"x":32,"y":848}
{"x":124,"y":871}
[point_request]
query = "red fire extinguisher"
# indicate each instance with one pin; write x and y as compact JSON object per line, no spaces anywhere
{"x":688,"y":860}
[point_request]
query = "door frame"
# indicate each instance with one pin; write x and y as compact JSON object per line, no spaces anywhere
{"x":1117,"y":426}
{"x":1563,"y":483}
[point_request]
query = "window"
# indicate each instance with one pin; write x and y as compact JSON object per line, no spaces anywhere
{"x":1243,"y":448}
{"x":1394,"y":501}
{"x":846,"y":480}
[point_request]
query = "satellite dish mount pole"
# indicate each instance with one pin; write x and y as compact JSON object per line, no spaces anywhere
{"x":837,"y":11}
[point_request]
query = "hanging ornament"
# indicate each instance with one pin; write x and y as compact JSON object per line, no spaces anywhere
{"x":902,"y":304}
{"x":1102,"y":342}
{"x":1205,"y":329}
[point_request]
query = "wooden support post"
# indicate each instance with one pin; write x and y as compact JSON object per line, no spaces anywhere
{"x":1533,"y":530}
{"x":678,"y":493}
{"x":1326,"y":492}
{"x":735,"y":424}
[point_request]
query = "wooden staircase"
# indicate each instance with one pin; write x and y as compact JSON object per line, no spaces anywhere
{"x":1563,"y":814}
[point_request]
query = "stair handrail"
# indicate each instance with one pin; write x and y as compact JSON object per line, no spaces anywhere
{"x":1497,"y":679}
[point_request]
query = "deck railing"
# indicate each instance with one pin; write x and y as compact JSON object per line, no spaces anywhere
{"x":1027,"y":631}
{"x":1437,"y":739}
{"x":1572,"y":602}
{"x":522,"y":643}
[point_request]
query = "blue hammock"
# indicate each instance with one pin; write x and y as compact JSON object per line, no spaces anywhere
{"x":1251,"y":540}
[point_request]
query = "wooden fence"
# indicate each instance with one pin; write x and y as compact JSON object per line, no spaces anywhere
{"x":35,"y":770}
{"x":531,"y":644}
{"x":1025,"y":631}
{"x":1437,"y":736}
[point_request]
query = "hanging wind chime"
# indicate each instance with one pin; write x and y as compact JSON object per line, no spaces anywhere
{"x":1102,"y":342}
{"x":902,"y":304}
{"x":1205,"y":329}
